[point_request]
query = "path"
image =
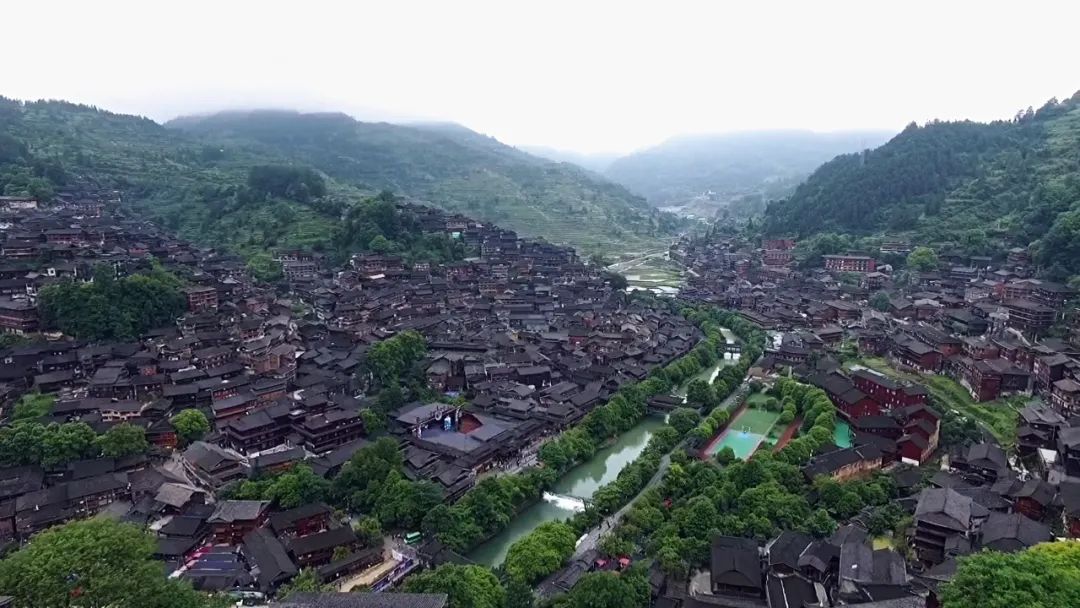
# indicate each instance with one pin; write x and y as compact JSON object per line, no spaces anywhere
{"x":789,"y":432}
{"x":592,"y":537}
{"x":634,"y":262}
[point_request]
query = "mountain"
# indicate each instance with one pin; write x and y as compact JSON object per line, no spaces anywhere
{"x":731,"y":165}
{"x":977,"y":188}
{"x":450,"y":167}
{"x":597,"y":163}
{"x":197,"y":188}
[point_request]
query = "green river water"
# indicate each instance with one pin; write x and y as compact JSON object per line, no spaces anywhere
{"x":582,"y":481}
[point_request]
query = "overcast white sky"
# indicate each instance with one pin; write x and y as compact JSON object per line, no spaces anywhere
{"x":581,"y":75}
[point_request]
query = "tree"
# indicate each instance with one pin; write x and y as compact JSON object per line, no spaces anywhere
{"x":32,"y":406}
{"x":880,"y":301}
{"x":51,"y":446}
{"x":726,"y":455}
{"x":389,"y":359}
{"x":518,"y":594}
{"x":368,"y":531}
{"x":884,"y":518}
{"x":110,"y":308}
{"x":615,"y":545}
{"x":374,"y":422}
{"x":297,"y":183}
{"x":306,"y":581}
{"x":820,"y":524}
{"x":191,"y":425}
{"x":465,"y":586}
{"x":380,"y":244}
{"x":541,"y":552}
{"x":123,"y":440}
{"x":617,"y":281}
{"x":682,"y":419}
{"x":700,"y":393}
{"x":959,"y":430}
{"x":297,"y":486}
{"x":922,"y":259}
{"x":609,"y":590}
{"x":359,"y":486}
{"x":404,"y":503}
{"x":1044,"y":575}
{"x":64,"y":443}
{"x":93,"y":563}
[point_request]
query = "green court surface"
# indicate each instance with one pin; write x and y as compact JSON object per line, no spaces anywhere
{"x":746,"y":432}
{"x":842,"y":434}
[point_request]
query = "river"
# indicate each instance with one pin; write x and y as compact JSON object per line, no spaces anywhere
{"x":582,"y":481}
{"x":585,"y":479}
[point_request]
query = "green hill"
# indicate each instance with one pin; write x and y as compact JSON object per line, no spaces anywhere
{"x":249,"y":190}
{"x":197,"y":189}
{"x":976,"y":187}
{"x":450,"y":167}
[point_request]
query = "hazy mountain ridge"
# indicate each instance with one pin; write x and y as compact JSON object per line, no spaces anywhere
{"x":732,"y":164}
{"x":597,"y":163}
{"x":452,"y":167}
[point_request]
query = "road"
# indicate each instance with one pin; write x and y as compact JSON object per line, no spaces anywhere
{"x":631,"y":263}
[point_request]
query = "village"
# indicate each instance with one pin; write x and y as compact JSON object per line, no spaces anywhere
{"x":521,"y":341}
{"x":974,"y":341}
{"x":533,"y":336}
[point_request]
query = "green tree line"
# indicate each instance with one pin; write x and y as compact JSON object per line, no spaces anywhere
{"x":109,"y":308}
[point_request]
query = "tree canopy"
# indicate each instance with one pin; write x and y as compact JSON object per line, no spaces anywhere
{"x":465,"y":586}
{"x":922,"y":259}
{"x":54,"y":445}
{"x":190,"y":424}
{"x":372,"y":482}
{"x":297,"y":183}
{"x":95,"y":563}
{"x":976,"y":188}
{"x":32,"y":406}
{"x":123,"y":440}
{"x":608,"y":590}
{"x":391,"y":358}
{"x":289,"y":489}
{"x":112,"y":309}
{"x":541,"y":552}
{"x":1044,"y":575}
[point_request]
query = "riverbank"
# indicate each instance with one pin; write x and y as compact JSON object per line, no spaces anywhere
{"x":582,"y":481}
{"x":567,"y":495}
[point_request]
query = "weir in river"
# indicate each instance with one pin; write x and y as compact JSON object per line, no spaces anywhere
{"x":565,"y":496}
{"x":562,"y":500}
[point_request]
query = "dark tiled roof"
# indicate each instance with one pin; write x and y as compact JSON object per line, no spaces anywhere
{"x":283,"y":519}
{"x":736,"y":561}
{"x":366,"y":600}
{"x":1013,"y":532}
{"x":268,"y":555}
{"x":322,"y":540}
{"x":238,"y":510}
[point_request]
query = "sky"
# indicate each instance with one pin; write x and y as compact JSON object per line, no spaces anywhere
{"x":587,"y":76}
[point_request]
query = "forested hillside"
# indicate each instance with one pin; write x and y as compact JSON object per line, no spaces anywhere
{"x":452,"y":167}
{"x":732,"y":164}
{"x":211,"y":194}
{"x":979,"y":187}
{"x":276,"y":188}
